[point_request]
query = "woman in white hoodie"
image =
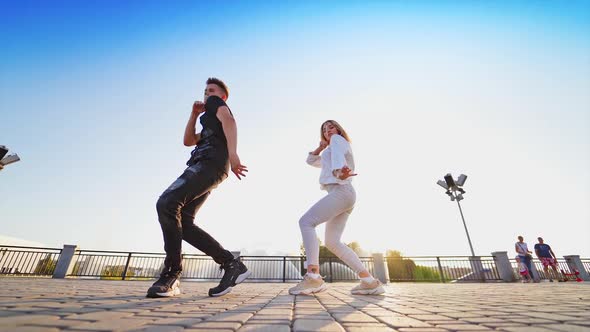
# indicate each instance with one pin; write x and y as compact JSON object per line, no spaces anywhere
{"x":337,"y":164}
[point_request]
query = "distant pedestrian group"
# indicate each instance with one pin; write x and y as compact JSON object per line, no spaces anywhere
{"x":544,"y":253}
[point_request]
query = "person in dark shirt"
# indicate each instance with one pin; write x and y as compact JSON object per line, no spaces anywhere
{"x":214,"y":155}
{"x":547,"y":258}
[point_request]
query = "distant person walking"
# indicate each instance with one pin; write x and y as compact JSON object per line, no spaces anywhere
{"x":337,"y":164}
{"x":208,"y":166}
{"x":547,"y":258}
{"x":525,"y":254}
{"x":522,"y":269}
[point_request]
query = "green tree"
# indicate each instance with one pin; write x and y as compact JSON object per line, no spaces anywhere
{"x":45,"y":266}
{"x":76,"y":269}
{"x":399,"y":268}
{"x":116,"y":272}
{"x":405,"y":269}
{"x":426,"y":273}
{"x":356,"y":247}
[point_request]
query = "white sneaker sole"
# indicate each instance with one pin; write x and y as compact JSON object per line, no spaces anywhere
{"x":227,"y":290}
{"x":372,"y":291}
{"x":174,"y":292}
{"x":239,"y":280}
{"x":243,"y":277}
{"x":309,"y":291}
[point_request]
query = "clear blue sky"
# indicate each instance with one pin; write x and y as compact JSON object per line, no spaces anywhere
{"x":94,"y":97}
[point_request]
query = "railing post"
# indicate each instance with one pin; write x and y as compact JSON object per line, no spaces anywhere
{"x":126,"y":267}
{"x":330,"y":265}
{"x":477,"y":268}
{"x":64,"y":263}
{"x":284,"y":269}
{"x":380,"y":268}
{"x":574,"y":262}
{"x":503,"y":266}
{"x":534,"y":273}
{"x":303,"y":265}
{"x":440,"y":270}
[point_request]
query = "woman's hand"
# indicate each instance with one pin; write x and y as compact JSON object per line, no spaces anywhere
{"x":321,"y":147}
{"x":344,"y":173}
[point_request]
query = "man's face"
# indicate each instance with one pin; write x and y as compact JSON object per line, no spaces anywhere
{"x":540,"y":240}
{"x":214,"y":90}
{"x":520,"y":239}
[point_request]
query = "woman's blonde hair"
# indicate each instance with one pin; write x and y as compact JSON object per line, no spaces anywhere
{"x":341,"y":130}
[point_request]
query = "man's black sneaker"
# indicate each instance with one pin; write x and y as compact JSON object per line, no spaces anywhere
{"x":235,"y":273}
{"x":166,"y":286}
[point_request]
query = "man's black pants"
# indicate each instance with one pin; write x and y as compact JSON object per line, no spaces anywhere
{"x":177,"y":208}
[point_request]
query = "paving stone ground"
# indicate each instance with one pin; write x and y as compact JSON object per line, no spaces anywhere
{"x":39,"y":304}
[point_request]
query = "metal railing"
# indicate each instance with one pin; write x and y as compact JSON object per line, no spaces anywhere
{"x":34,"y":261}
{"x":334,"y":269}
{"x":116,"y":264}
{"x":274,"y":268}
{"x":442,"y":268}
{"x":139,"y":265}
{"x":586,"y":264}
{"x":28,"y":261}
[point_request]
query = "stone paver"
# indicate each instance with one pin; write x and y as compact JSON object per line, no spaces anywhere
{"x":265,"y":328}
{"x":320,"y":325}
{"x":367,"y":327}
{"x":156,"y":328}
{"x":568,"y":328}
{"x":40,"y":304}
{"x":111,"y":325}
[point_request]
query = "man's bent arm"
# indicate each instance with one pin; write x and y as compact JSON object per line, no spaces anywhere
{"x":190,"y":135}
{"x":229,"y":129}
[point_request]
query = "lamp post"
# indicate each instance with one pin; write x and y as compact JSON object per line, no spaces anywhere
{"x":455,"y":191}
{"x":4,"y":159}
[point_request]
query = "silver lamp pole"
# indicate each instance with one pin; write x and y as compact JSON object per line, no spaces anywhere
{"x":452,"y":187}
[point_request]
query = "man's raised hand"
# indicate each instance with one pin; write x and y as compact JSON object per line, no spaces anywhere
{"x":198,"y":108}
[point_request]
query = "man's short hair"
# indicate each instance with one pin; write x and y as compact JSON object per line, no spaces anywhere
{"x":219,"y":83}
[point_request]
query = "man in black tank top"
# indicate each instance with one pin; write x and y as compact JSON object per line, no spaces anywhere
{"x":214,"y":154}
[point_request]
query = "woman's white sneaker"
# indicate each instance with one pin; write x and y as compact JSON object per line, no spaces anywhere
{"x":368,"y":288}
{"x":309,"y":286}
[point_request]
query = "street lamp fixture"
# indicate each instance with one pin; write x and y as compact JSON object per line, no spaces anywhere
{"x":455,"y":191}
{"x":7,"y":159}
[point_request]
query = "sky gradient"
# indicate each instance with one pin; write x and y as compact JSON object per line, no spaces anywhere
{"x":94,"y":97}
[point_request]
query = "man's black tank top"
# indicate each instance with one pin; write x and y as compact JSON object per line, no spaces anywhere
{"x":212,"y":146}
